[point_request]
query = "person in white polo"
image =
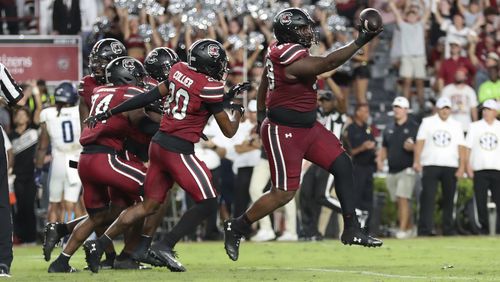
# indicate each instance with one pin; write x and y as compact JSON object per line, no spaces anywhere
{"x":483,"y":161}
{"x":440,"y":155}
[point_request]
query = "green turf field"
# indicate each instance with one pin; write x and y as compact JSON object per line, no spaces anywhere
{"x":436,"y":259}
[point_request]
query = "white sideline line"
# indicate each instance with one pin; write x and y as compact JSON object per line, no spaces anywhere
{"x":367,"y":273}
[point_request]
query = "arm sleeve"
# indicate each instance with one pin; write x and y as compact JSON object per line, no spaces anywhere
{"x":422,"y":131}
{"x":137,"y":101}
{"x":291,"y":53}
{"x":212,"y":92}
{"x":8,"y":86}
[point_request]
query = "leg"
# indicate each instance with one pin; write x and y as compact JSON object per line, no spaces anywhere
{"x":481,"y":197}
{"x":449,"y":186}
{"x":241,"y":195}
{"x":407,"y":87}
{"x":308,"y":203}
{"x":420,"y":92}
{"x":260,"y":178}
{"x":495,"y":195}
{"x":5,"y":215}
{"x":427,"y":200}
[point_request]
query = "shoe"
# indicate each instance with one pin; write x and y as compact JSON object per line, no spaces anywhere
{"x":105,"y":264}
{"x":59,"y":267}
{"x":93,"y":253}
{"x":231,"y":240}
{"x":263,"y":235}
{"x":4,"y":270}
{"x":50,"y":239}
{"x":288,"y":237}
{"x":130,"y":264}
{"x":401,"y":234}
{"x":147,"y":257}
{"x":168,"y":256}
{"x":355,"y":236}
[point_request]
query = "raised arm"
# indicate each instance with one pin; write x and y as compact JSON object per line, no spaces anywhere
{"x":395,"y":11}
{"x":461,"y":7}
{"x":427,"y":11}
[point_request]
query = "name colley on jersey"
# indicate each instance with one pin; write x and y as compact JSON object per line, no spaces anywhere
{"x":184,"y":80}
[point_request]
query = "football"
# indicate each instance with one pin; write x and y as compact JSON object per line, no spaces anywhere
{"x":370,"y":19}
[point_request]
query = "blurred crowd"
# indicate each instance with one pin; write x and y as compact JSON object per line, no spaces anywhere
{"x":444,"y":55}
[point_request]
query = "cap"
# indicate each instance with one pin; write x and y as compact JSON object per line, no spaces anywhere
{"x":443,"y":102}
{"x":401,"y":102}
{"x":326,"y":95}
{"x":454,"y":40}
{"x":491,"y":104}
{"x":252,"y":105}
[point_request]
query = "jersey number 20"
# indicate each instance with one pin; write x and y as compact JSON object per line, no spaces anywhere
{"x":177,"y":112}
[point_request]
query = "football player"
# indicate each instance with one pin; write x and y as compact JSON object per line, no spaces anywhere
{"x":60,"y":127}
{"x":194,"y":91}
{"x":110,"y":182}
{"x":103,"y":52}
{"x":291,"y":133}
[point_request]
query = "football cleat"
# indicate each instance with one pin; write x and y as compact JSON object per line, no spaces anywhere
{"x":168,"y":257}
{"x":231,"y":240}
{"x":93,"y":253}
{"x":355,"y":236}
{"x":147,"y":257}
{"x":50,"y":239}
{"x":129,"y":263}
{"x":59,"y":267}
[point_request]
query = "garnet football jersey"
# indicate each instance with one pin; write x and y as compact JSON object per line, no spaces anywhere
{"x":113,"y":131}
{"x":185,"y":115}
{"x":284,"y":92}
{"x":86,"y":88}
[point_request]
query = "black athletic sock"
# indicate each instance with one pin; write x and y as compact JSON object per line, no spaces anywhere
{"x":104,"y":241}
{"x":242,"y":225}
{"x":144,"y":244}
{"x":111,"y":256}
{"x":123,"y":255}
{"x":190,"y":220}
{"x":64,"y":258}
{"x":62,"y":229}
{"x":342,"y":171}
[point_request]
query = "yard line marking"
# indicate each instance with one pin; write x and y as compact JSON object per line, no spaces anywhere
{"x":367,"y":273}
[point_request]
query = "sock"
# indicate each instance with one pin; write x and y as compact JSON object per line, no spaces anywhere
{"x":111,"y":256}
{"x":104,"y":241}
{"x":243,"y":225}
{"x":64,"y":258}
{"x":62,"y":229}
{"x":123,"y":255}
{"x":144,"y":243}
{"x":190,"y":220}
{"x":341,"y":169}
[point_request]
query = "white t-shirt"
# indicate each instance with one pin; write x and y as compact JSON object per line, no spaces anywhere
{"x":442,"y":139}
{"x":462,"y":100}
{"x":250,"y":158}
{"x":484,"y":141}
{"x":412,"y":39}
{"x":453,"y":33}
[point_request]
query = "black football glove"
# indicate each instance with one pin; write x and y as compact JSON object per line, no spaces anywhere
{"x":365,"y":36}
{"x":237,"y":89}
{"x":91,"y":121}
{"x":237,"y":107}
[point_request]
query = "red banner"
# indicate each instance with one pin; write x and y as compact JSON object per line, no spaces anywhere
{"x":39,"y":57}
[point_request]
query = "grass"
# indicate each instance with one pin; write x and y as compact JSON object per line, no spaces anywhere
{"x":426,"y":259}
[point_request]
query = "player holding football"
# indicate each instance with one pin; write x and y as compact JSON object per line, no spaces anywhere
{"x":111,"y":183}
{"x":103,"y":52}
{"x":291,"y":133}
{"x":195,"y":91}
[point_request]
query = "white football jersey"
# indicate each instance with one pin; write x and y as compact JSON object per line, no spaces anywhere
{"x":63,"y":128}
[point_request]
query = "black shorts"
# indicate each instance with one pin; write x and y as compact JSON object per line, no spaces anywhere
{"x":362,"y":72}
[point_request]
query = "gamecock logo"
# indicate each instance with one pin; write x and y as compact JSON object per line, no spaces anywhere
{"x":116,"y":48}
{"x":128,"y":64}
{"x":213,"y":51}
{"x":286,"y":18}
{"x":152,"y":58}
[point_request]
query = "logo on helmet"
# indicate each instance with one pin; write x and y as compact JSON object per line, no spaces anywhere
{"x":116,"y":48}
{"x":286,"y":18}
{"x":213,"y":51}
{"x":152,"y":58}
{"x":128,"y":64}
